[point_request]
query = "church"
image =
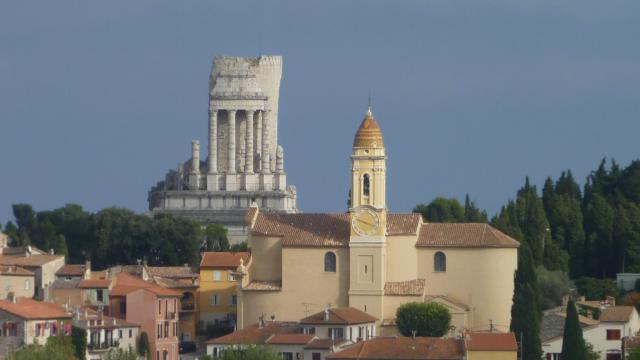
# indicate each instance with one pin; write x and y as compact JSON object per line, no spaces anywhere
{"x":373,"y":260}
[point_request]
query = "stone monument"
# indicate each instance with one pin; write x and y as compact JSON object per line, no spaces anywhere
{"x":245,"y":163}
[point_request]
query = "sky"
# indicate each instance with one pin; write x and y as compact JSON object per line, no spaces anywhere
{"x":98,"y":99}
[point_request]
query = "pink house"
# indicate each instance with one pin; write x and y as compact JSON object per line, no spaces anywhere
{"x":152,"y":307}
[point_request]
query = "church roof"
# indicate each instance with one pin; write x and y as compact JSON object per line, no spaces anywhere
{"x":463,"y":235}
{"x":369,"y":133}
{"x":323,"y":230}
{"x":405,"y":288}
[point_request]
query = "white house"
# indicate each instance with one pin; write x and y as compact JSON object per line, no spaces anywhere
{"x":105,"y":333}
{"x":605,"y":334}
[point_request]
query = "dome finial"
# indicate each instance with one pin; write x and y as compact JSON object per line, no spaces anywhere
{"x":369,"y":112}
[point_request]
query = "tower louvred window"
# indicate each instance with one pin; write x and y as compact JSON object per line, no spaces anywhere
{"x":366,"y":185}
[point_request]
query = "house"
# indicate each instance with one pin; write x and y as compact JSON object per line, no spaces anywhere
{"x":490,"y":346}
{"x":627,"y":281}
{"x":218,"y":286}
{"x":183,"y":279}
{"x":76,"y":285}
{"x":105,"y":333}
{"x":154,"y":308}
{"x":314,"y":337}
{"x":340,"y":324}
{"x":42,"y":265}
{"x":605,"y":333}
{"x":16,"y":281}
{"x":24,"y":321}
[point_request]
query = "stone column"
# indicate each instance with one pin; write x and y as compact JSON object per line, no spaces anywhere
{"x":212,"y":162}
{"x":266,"y":161}
{"x":248,"y":163}
{"x":195,"y":157}
{"x":259,"y":135}
{"x":232,"y":142}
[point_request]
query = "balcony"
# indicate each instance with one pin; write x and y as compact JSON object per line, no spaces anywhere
{"x":170,"y":316}
{"x":103,"y":346}
{"x":187,"y":307}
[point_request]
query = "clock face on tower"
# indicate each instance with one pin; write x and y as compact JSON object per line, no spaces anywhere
{"x":365,"y":221}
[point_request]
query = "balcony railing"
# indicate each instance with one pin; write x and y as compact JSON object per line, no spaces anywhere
{"x":170,"y":316}
{"x":187,"y":307}
{"x":103,"y":346}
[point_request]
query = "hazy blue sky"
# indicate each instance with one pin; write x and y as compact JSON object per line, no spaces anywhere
{"x":98,"y":99}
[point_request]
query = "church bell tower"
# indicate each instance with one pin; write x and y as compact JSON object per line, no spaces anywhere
{"x":368,"y":210}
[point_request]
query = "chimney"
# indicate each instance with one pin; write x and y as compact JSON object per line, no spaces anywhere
{"x":565,"y":300}
{"x":611,"y":301}
{"x":326,"y":313}
{"x":11,"y":296}
{"x":87,"y":269}
{"x":51,"y":252}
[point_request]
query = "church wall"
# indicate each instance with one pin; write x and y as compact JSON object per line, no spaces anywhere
{"x":481,"y":278}
{"x":306,"y":288}
{"x":402,"y":258}
{"x":267,"y":258}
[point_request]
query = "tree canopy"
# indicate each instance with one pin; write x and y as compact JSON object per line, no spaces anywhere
{"x":450,"y":210}
{"x":430,"y":319}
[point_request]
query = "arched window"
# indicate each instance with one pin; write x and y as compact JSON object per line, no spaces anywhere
{"x":365,"y":185}
{"x":330,"y":262}
{"x":439,"y":262}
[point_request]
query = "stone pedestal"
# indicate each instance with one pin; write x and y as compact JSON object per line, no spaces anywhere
{"x":251,"y":182}
{"x":212,"y":182}
{"x":266,"y":182}
{"x":280,"y":181}
{"x":231,"y":182}
{"x":194,"y":181}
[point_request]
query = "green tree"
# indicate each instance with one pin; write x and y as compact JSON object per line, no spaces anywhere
{"x":596,"y":289}
{"x":143,"y":344}
{"x":573,"y":344}
{"x":251,"y":353}
{"x":120,"y":354}
{"x":634,"y":354}
{"x":553,"y":285}
{"x":215,"y":238}
{"x":56,"y":348}
{"x":79,"y":341}
{"x":472,"y":213}
{"x":430,"y":319}
{"x":525,"y":311}
{"x":238,"y":247}
{"x":441,"y":210}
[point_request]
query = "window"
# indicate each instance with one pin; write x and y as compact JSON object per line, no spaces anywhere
{"x":166,"y":329}
{"x":365,"y":185}
{"x":315,"y":356}
{"x":287,"y":356}
{"x":159,"y":331}
{"x":310,"y":330}
{"x":234,"y":299}
{"x":130,"y":333}
{"x":120,"y":334}
{"x":336,"y":333}
{"x":613,"y":334}
{"x":123,"y":308}
{"x":230,"y":276}
{"x":217,"y":276}
{"x":330,"y":262}
{"x":27,"y":284}
{"x":100,"y":295}
{"x":159,"y":307}
{"x":175,"y":329}
{"x":439,"y":262}
{"x":213,"y":300}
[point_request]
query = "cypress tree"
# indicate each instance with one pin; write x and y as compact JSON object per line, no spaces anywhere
{"x":573,"y":345}
{"x":525,"y":311}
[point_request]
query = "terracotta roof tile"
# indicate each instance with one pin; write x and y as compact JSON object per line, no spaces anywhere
{"x":94,"y":284}
{"x":323,"y":230}
{"x":449,"y":299}
{"x":405,"y":288}
{"x":616,"y":314}
{"x":30,"y":309}
{"x":323,"y":344}
{"x":463,"y":235}
{"x":224,"y":259}
{"x":391,"y":348}
{"x":14,"y":271}
{"x":172,"y":271}
{"x":257,"y":335}
{"x":71,"y":270}
{"x":108,"y":322}
{"x":490,"y":341}
{"x":125,"y":283}
{"x":32,"y":260}
{"x":631,"y":342}
{"x":259,"y":285}
{"x":340,"y":316}
{"x":289,"y":339}
{"x":160,"y":291}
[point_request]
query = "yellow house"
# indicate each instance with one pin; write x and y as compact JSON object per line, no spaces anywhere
{"x":491,"y":346}
{"x":218,"y":298}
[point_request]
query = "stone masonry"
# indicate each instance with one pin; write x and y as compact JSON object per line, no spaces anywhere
{"x":244,"y":163}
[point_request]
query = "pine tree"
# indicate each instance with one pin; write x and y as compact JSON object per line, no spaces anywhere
{"x":573,"y":345}
{"x":525,"y":311}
